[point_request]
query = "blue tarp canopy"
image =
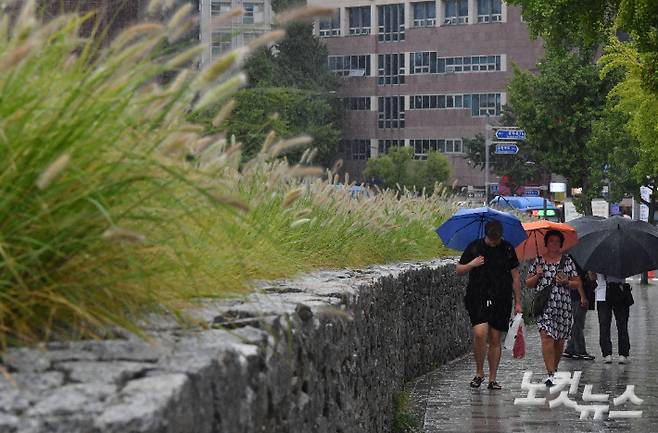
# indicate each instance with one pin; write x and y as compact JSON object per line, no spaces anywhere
{"x":522,"y":203}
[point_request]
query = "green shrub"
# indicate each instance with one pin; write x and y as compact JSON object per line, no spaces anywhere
{"x":399,"y":168}
{"x":404,"y":421}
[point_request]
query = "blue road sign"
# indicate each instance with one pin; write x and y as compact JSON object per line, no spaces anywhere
{"x":510,"y":134}
{"x":507,"y":149}
{"x":531,"y":193}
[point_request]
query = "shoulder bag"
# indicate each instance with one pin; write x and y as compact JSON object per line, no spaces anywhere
{"x":542,"y":296}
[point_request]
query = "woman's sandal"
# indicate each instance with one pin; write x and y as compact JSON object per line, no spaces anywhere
{"x":494,"y":385}
{"x":477,"y":381}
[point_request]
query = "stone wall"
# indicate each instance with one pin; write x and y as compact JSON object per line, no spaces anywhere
{"x":322,"y":353}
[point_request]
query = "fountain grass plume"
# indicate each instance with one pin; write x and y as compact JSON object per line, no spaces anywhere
{"x":113,"y":204}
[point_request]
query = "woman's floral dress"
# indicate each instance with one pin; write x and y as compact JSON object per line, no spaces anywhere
{"x":556,"y":319}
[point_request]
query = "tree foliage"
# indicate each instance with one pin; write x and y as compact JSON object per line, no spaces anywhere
{"x":557,"y":108}
{"x":288,"y":112}
{"x":563,"y":23}
{"x":290,"y":92}
{"x":298,"y":61}
{"x":631,"y":100}
{"x":612,"y":154}
{"x":399,"y":168}
{"x":518,"y":170}
{"x":568,"y":23}
{"x":280,"y":5}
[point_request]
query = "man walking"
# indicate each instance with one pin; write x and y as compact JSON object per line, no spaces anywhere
{"x":613,"y":296}
{"x":493,"y":271}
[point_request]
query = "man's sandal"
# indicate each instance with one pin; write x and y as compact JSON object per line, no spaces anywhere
{"x":477,"y":381}
{"x":494,"y":385}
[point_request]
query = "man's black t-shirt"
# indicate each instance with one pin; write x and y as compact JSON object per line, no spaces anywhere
{"x":492,"y":280}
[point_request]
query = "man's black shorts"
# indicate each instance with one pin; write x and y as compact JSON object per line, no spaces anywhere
{"x":497,"y":313}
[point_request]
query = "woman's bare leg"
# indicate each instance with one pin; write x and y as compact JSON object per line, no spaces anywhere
{"x":548,"y":351}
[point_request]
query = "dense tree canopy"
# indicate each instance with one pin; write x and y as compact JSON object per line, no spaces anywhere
{"x":612,"y":155}
{"x":298,"y":112}
{"x":290,"y":92}
{"x":557,"y":108}
{"x":564,"y":24}
{"x":568,"y":23}
{"x":298,"y":61}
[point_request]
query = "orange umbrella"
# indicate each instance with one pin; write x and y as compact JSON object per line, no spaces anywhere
{"x":534,"y":245}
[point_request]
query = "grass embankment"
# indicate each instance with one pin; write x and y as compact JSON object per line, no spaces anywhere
{"x":111,"y":203}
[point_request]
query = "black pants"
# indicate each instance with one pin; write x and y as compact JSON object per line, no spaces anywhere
{"x":605,"y":310}
{"x":576,"y":344}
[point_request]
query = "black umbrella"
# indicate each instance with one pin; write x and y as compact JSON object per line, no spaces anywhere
{"x":583,"y":225}
{"x":616,"y":246}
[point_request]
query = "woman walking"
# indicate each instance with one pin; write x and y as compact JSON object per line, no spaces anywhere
{"x":558,"y":272}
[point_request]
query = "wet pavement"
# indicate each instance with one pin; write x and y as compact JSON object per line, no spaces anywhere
{"x":444,"y":402}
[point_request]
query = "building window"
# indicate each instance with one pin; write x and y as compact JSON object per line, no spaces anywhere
{"x":253,"y":13}
{"x":221,"y":43}
{"x":433,"y":102}
{"x":330,"y":26}
{"x":456,"y":12}
{"x":356,"y":149}
{"x":423,"y":63}
{"x":359,"y":20}
{"x":449,"y":65}
{"x":454,"y":146}
{"x":350,"y":66}
{"x":391,"y":22}
{"x":219,"y":7}
{"x":480,"y":104}
{"x":357,"y":104}
{"x":424,"y":14}
{"x":427,"y":62}
{"x":391,"y":68}
{"x":483,"y":104}
{"x":250,"y":37}
{"x":386,"y":145}
{"x":391,"y":112}
{"x":490,"y":11}
{"x":423,"y":147}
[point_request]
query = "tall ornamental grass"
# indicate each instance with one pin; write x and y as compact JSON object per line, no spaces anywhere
{"x":112,"y":204}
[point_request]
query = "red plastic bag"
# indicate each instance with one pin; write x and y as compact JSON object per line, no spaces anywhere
{"x":519,"y":344}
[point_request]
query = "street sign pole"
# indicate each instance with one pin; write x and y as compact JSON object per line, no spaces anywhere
{"x":487,"y":143}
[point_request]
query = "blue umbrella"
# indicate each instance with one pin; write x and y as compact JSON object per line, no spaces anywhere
{"x":468,"y":224}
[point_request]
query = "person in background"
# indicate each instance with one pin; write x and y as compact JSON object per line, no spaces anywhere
{"x":576,"y":348}
{"x":558,"y":272}
{"x":607,"y":304}
{"x":493,"y":275}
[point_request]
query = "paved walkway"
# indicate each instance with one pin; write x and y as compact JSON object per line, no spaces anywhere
{"x":445,"y":403}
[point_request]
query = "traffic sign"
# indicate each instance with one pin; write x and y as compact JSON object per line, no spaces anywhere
{"x":531,"y":193}
{"x":510,"y":134}
{"x":507,"y":149}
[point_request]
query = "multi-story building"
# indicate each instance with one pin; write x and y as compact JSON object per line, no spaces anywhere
{"x":424,"y":74}
{"x":110,"y":16}
{"x":221,"y":36}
